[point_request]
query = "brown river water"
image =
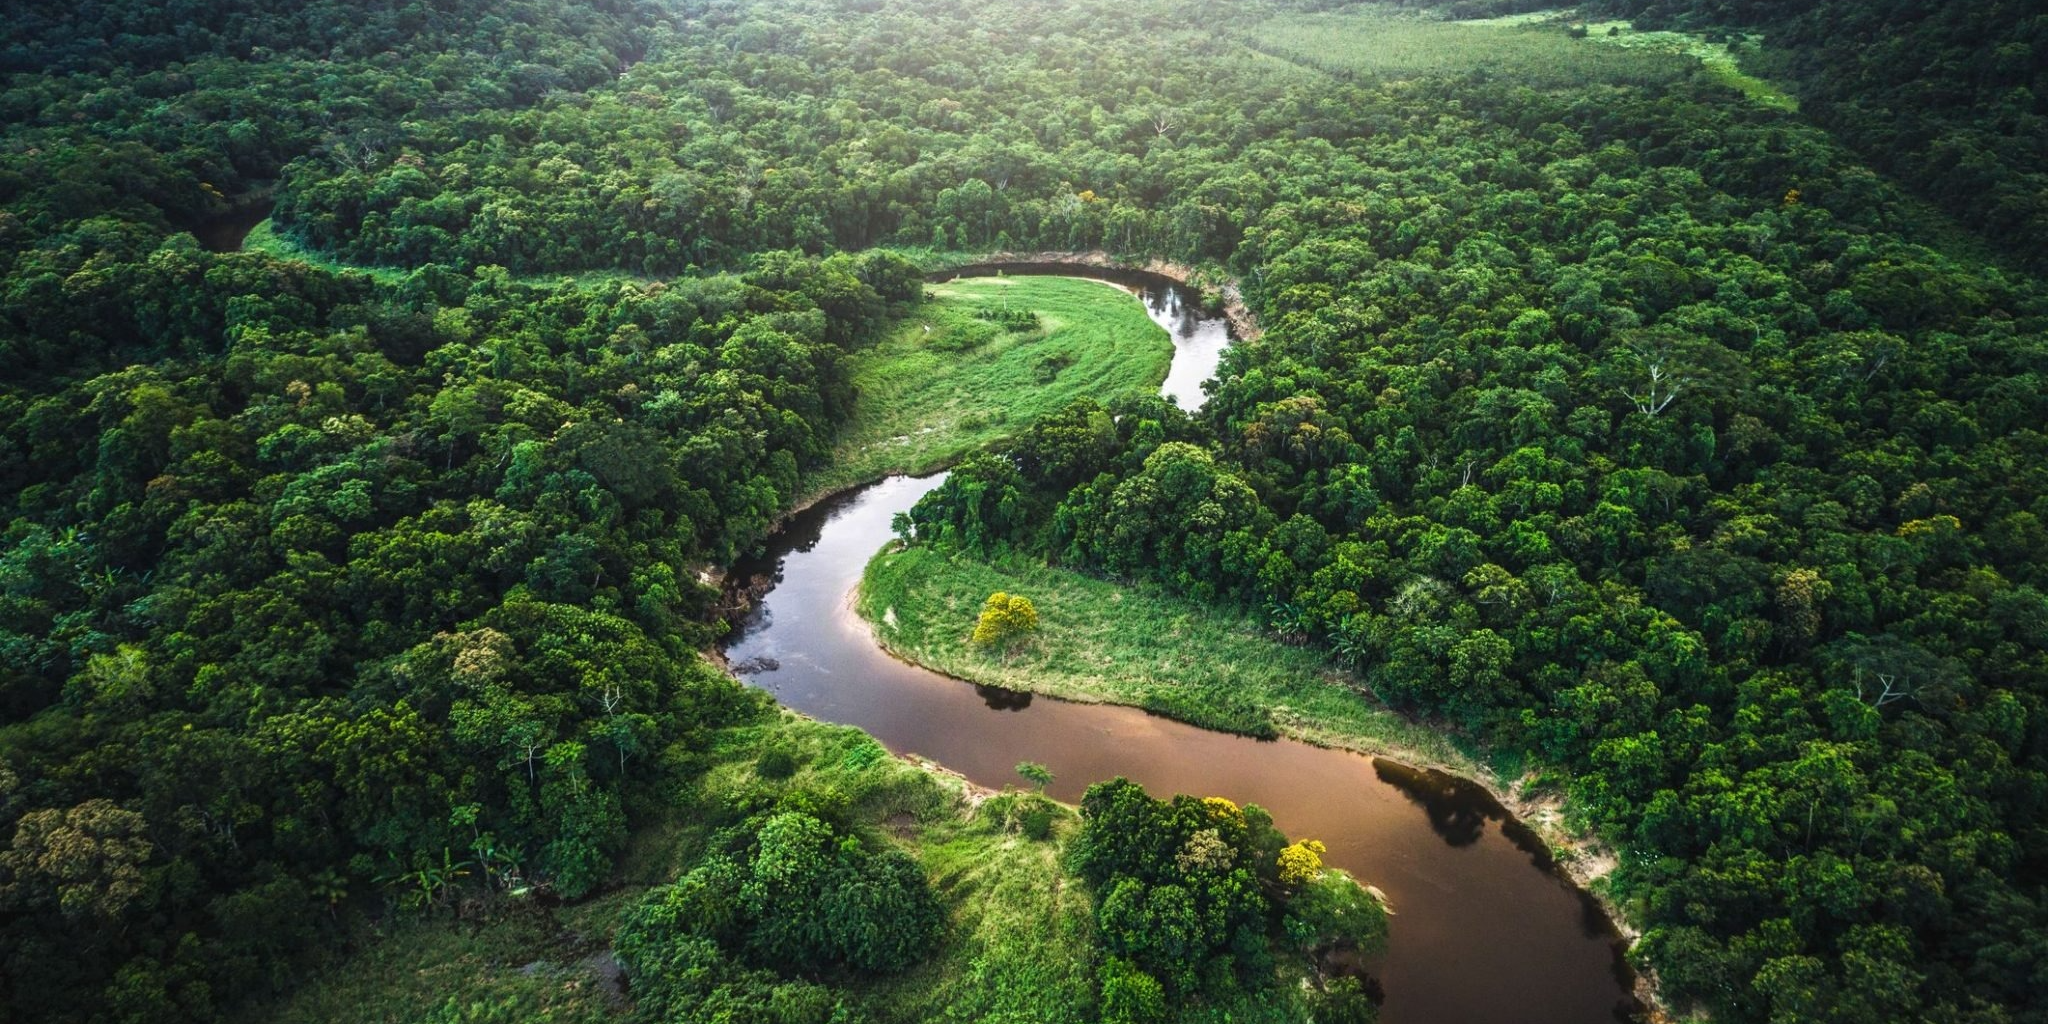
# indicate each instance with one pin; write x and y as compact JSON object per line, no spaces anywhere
{"x":1484,"y":932}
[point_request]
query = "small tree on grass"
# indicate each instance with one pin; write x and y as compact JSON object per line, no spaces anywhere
{"x":1006,"y":620}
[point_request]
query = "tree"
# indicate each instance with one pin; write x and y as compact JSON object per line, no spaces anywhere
{"x":88,"y":859}
{"x":1007,"y":620}
{"x":1302,"y":862}
{"x":1035,"y":773}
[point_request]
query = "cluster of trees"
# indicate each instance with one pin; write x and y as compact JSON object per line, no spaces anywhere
{"x":386,"y":592}
{"x":1193,"y":894}
{"x":781,"y":905}
{"x":780,"y":125}
{"x":1574,"y":427}
{"x":1952,"y":97}
{"x":126,"y":120}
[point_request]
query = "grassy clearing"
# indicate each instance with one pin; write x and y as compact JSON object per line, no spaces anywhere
{"x":1718,"y":58}
{"x":946,"y":382}
{"x":524,"y":964}
{"x":1099,"y":641}
{"x":1388,"y":44}
{"x":264,"y":238}
{"x":1532,"y":47}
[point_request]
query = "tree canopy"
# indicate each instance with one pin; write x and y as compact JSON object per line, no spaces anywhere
{"x":1623,"y":424}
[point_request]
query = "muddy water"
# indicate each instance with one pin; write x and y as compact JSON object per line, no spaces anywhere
{"x":1484,"y":932}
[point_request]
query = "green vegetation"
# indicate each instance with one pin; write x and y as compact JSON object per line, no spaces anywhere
{"x":1721,"y":59}
{"x":1630,"y":426}
{"x":1006,"y":621}
{"x":1386,"y":43}
{"x":1188,"y":890}
{"x":264,"y":238}
{"x":1951,"y":98}
{"x":955,"y":377}
{"x":1018,"y":939}
{"x":513,"y":963}
{"x":1136,"y":645}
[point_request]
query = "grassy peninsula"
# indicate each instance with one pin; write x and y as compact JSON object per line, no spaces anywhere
{"x":984,"y":356}
{"x":1100,"y":641}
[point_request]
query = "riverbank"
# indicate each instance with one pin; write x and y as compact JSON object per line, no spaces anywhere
{"x":1101,"y":642}
{"x":1222,"y":292}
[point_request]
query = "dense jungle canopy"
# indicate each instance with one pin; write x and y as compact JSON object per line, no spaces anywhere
{"x":1691,"y":448}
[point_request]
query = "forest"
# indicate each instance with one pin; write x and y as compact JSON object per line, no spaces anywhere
{"x":1689,"y":449}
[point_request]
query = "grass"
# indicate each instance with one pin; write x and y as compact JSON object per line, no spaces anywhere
{"x":1386,"y":44}
{"x":1531,"y":47}
{"x":525,"y":964}
{"x":946,"y":382}
{"x":264,"y":238}
{"x":1103,"y":642}
{"x":1021,"y":946}
{"x":1718,"y":58}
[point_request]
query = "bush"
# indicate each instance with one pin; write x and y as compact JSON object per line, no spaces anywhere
{"x":1015,"y":321}
{"x":775,"y":763}
{"x":1129,"y":995}
{"x":788,"y":893}
{"x":1037,"y":822}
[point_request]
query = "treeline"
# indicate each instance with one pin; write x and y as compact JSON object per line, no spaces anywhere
{"x":779,"y":126}
{"x":1949,"y":96}
{"x":553,"y":45}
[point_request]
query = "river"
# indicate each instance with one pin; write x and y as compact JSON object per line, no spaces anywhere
{"x":1484,"y":932}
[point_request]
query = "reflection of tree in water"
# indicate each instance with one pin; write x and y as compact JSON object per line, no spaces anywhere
{"x":755,"y":574}
{"x":1457,"y":810}
{"x":1168,"y":301}
{"x":1000,"y":699}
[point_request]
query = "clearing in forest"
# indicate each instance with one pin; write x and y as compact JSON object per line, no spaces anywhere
{"x":1545,"y":49}
{"x":984,"y":356}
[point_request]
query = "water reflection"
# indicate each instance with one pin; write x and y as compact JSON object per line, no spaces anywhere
{"x":1457,"y":810}
{"x":1000,"y":699}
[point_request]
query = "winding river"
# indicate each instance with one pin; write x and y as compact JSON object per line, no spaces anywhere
{"x":1484,"y":932}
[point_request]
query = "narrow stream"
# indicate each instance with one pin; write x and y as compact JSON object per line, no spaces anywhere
{"x":1485,"y":931}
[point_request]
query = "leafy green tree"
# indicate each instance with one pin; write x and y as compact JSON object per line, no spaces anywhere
{"x":1035,"y":773}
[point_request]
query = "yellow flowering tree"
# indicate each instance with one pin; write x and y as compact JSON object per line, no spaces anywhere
{"x":1302,"y":862}
{"x":1006,"y":620}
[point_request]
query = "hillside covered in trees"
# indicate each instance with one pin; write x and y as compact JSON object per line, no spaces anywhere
{"x":1692,"y":449}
